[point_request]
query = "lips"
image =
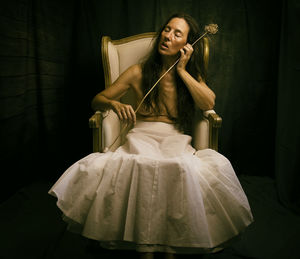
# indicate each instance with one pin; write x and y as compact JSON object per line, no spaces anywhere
{"x":164,"y":45}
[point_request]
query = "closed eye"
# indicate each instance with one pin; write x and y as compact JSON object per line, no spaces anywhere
{"x":178,"y":33}
{"x":167,"y":29}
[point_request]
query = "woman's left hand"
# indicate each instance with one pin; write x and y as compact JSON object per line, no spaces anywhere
{"x":185,"y":55}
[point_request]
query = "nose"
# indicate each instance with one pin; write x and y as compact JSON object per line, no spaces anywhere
{"x":167,"y":36}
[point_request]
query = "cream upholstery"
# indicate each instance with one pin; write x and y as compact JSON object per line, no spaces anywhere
{"x":117,"y":56}
{"x":114,"y":64}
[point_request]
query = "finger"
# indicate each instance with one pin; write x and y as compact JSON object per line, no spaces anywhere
{"x":187,"y":52}
{"x":182,"y":52}
{"x":119,"y":113}
{"x":189,"y":49}
{"x":130,"y":113}
{"x":117,"y":109}
{"x":188,"y":45}
{"x":133,"y":116}
{"x":185,"y":49}
{"x":124,"y":114}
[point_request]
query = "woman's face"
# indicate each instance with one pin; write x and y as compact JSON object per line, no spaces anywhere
{"x":173,"y":37}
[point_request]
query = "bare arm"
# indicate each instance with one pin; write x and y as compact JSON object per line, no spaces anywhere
{"x":108,"y":98}
{"x":202,"y":95}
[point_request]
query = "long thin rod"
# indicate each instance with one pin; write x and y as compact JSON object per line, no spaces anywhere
{"x":141,"y":102}
{"x":164,"y":75}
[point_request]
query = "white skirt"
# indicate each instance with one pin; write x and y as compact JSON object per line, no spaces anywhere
{"x":154,"y":193}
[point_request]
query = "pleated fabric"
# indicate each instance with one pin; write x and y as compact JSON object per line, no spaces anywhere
{"x":154,"y":193}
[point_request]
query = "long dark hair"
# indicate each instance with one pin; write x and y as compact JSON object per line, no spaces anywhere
{"x":152,"y":67}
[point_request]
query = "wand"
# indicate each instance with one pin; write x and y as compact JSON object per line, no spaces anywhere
{"x":208,"y":29}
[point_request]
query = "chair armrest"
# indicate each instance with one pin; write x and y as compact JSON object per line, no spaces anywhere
{"x":111,"y":127}
{"x":95,"y":124}
{"x":214,"y":119}
{"x":94,"y":121}
{"x":206,"y":130}
{"x":106,"y":127}
{"x":215,"y":122}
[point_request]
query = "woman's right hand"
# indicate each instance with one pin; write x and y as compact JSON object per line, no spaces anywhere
{"x":125,"y":112}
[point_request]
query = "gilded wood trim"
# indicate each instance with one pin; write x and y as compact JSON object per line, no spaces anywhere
{"x":215,"y":122}
{"x":134,"y":37}
{"x":205,"y":54}
{"x":95,"y":122}
{"x":105,"y":60}
{"x":96,"y":137}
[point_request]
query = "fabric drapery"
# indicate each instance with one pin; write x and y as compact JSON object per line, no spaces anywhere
{"x":287,"y":130}
{"x":50,"y":68}
{"x":155,"y":193}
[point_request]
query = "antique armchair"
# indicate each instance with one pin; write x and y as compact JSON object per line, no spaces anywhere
{"x":117,"y":56}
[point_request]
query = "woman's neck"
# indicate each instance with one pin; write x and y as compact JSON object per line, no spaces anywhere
{"x":168,"y":61}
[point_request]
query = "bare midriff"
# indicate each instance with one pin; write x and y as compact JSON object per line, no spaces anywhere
{"x":165,"y":114}
{"x":156,"y":118}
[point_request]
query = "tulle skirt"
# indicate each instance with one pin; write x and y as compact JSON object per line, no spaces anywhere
{"x":154,"y":193}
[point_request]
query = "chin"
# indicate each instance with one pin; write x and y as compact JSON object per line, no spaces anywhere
{"x":165,"y":52}
{"x":162,"y":51}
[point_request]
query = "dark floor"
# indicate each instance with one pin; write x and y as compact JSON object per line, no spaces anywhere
{"x":31,"y":227}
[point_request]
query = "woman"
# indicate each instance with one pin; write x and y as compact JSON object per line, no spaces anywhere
{"x":184,"y":82}
{"x":155,"y":193}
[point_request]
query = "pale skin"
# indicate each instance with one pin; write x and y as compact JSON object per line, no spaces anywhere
{"x":173,"y":44}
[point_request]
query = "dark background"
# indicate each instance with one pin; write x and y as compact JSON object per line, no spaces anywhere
{"x":50,"y":69}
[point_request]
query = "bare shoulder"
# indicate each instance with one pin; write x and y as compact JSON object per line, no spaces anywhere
{"x":136,"y":76}
{"x":136,"y":71}
{"x":130,"y":76}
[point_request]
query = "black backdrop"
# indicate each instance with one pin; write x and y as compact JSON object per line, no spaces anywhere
{"x":50,"y":68}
